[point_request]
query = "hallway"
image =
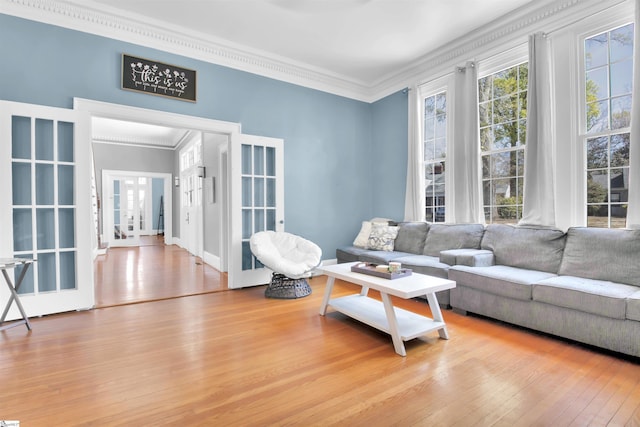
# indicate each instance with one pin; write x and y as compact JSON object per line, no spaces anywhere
{"x":151,"y":272}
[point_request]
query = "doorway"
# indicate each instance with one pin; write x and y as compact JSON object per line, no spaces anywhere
{"x":136,"y":206}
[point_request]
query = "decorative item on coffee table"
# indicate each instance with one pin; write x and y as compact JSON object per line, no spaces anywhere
{"x":380,"y":270}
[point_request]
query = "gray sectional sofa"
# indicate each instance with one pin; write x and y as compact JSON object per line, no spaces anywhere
{"x":583,"y":285}
{"x":418,"y":246}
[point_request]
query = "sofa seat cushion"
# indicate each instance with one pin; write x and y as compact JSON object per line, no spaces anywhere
{"x":381,"y":257}
{"x":350,"y":253}
{"x":499,"y":280}
{"x":424,"y":264}
{"x":633,"y":306}
{"x":591,"y":296}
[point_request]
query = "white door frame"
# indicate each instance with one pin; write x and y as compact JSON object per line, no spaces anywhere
{"x":161,"y":118}
{"x":107,"y":196}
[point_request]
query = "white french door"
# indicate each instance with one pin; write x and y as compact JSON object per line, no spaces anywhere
{"x":45,"y":208}
{"x":191,"y":182}
{"x":126,"y":211}
{"x":256,"y":178}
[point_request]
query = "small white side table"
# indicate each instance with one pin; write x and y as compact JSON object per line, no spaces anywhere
{"x":6,"y":264}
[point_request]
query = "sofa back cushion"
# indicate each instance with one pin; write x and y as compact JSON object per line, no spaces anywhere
{"x":411,"y":237}
{"x":442,"y":237}
{"x":602,"y":254}
{"x":525,"y":247}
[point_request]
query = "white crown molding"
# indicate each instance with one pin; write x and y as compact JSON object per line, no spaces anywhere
{"x":502,"y":34}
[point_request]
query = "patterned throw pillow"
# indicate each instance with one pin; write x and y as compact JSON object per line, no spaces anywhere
{"x":382,"y":237}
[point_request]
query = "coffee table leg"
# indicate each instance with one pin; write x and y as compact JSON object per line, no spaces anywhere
{"x":398,"y":345}
{"x":437,"y":315}
{"x":327,"y":295}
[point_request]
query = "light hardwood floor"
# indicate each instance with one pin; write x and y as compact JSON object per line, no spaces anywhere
{"x":234,"y":358}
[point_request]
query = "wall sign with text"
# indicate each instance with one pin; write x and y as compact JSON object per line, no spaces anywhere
{"x":157,"y":78}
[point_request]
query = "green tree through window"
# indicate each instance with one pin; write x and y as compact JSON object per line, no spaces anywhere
{"x":503,"y":121}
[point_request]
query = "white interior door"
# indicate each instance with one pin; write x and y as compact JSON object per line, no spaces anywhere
{"x":256,"y":178}
{"x":126,"y":210}
{"x":191,"y":183}
{"x":45,"y":210}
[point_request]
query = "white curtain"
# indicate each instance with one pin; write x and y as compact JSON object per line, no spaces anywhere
{"x":414,"y":204}
{"x":466,"y":203}
{"x":539,"y":180}
{"x":633,"y":209}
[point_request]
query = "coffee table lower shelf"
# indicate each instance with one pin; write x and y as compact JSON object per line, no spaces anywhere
{"x":372,"y":312}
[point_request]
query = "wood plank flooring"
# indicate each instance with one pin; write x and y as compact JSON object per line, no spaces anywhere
{"x":234,"y":358}
{"x":150,"y":272}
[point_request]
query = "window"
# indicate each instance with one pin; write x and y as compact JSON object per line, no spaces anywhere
{"x":435,"y":151}
{"x":608,"y":65}
{"x":503,"y":121}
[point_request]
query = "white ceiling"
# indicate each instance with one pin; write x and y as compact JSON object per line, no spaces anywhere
{"x":363,"y":41}
{"x":113,"y":131}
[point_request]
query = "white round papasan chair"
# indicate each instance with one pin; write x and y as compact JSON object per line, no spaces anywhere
{"x":292,"y":260}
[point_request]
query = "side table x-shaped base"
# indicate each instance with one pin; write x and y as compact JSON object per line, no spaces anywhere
{"x":5,"y":264}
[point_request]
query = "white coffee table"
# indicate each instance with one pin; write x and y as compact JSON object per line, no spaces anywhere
{"x":401,"y":324}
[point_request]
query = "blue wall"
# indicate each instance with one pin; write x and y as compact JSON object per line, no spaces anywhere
{"x":333,"y":145}
{"x":389,"y":150}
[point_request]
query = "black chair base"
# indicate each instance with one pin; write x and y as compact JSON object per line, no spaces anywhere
{"x":283,"y":287}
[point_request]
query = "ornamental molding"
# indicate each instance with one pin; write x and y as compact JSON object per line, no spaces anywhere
{"x":503,"y":34}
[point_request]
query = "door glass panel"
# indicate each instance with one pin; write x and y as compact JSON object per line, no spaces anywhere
{"x":258,"y":160}
{"x":22,"y":230}
{"x":66,"y":222}
{"x":45,"y":225}
{"x":271,"y":161}
{"x":65,"y":185}
{"x":258,"y":200}
{"x":21,"y":185}
{"x":259,"y":221}
{"x":246,"y":223}
{"x":46,"y":272}
{"x":247,"y":256}
{"x":44,"y":184}
{"x":44,"y":139}
{"x":271,"y":192}
{"x":246,"y":159}
{"x":65,"y":142}
{"x":67,"y":270}
{"x":271,"y":219}
{"x":246,"y":191}
{"x":27,"y":283}
{"x":20,"y":137}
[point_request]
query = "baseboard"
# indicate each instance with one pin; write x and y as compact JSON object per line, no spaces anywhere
{"x":212,"y":260}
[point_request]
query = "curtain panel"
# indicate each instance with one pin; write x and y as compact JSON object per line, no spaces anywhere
{"x":415,"y":205}
{"x":466,"y":203}
{"x":539,"y":178}
{"x":633,"y":209}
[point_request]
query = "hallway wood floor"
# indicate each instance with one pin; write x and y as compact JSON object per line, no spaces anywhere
{"x":234,"y":358}
{"x":150,"y":272}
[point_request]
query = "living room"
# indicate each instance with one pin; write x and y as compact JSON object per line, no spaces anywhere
{"x":345,"y":145}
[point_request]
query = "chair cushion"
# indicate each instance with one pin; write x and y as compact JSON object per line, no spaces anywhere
{"x":285,"y":253}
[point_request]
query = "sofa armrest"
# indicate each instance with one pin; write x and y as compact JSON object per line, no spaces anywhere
{"x":468,"y":257}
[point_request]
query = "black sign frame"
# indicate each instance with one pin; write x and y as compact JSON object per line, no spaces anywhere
{"x":157,"y":78}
